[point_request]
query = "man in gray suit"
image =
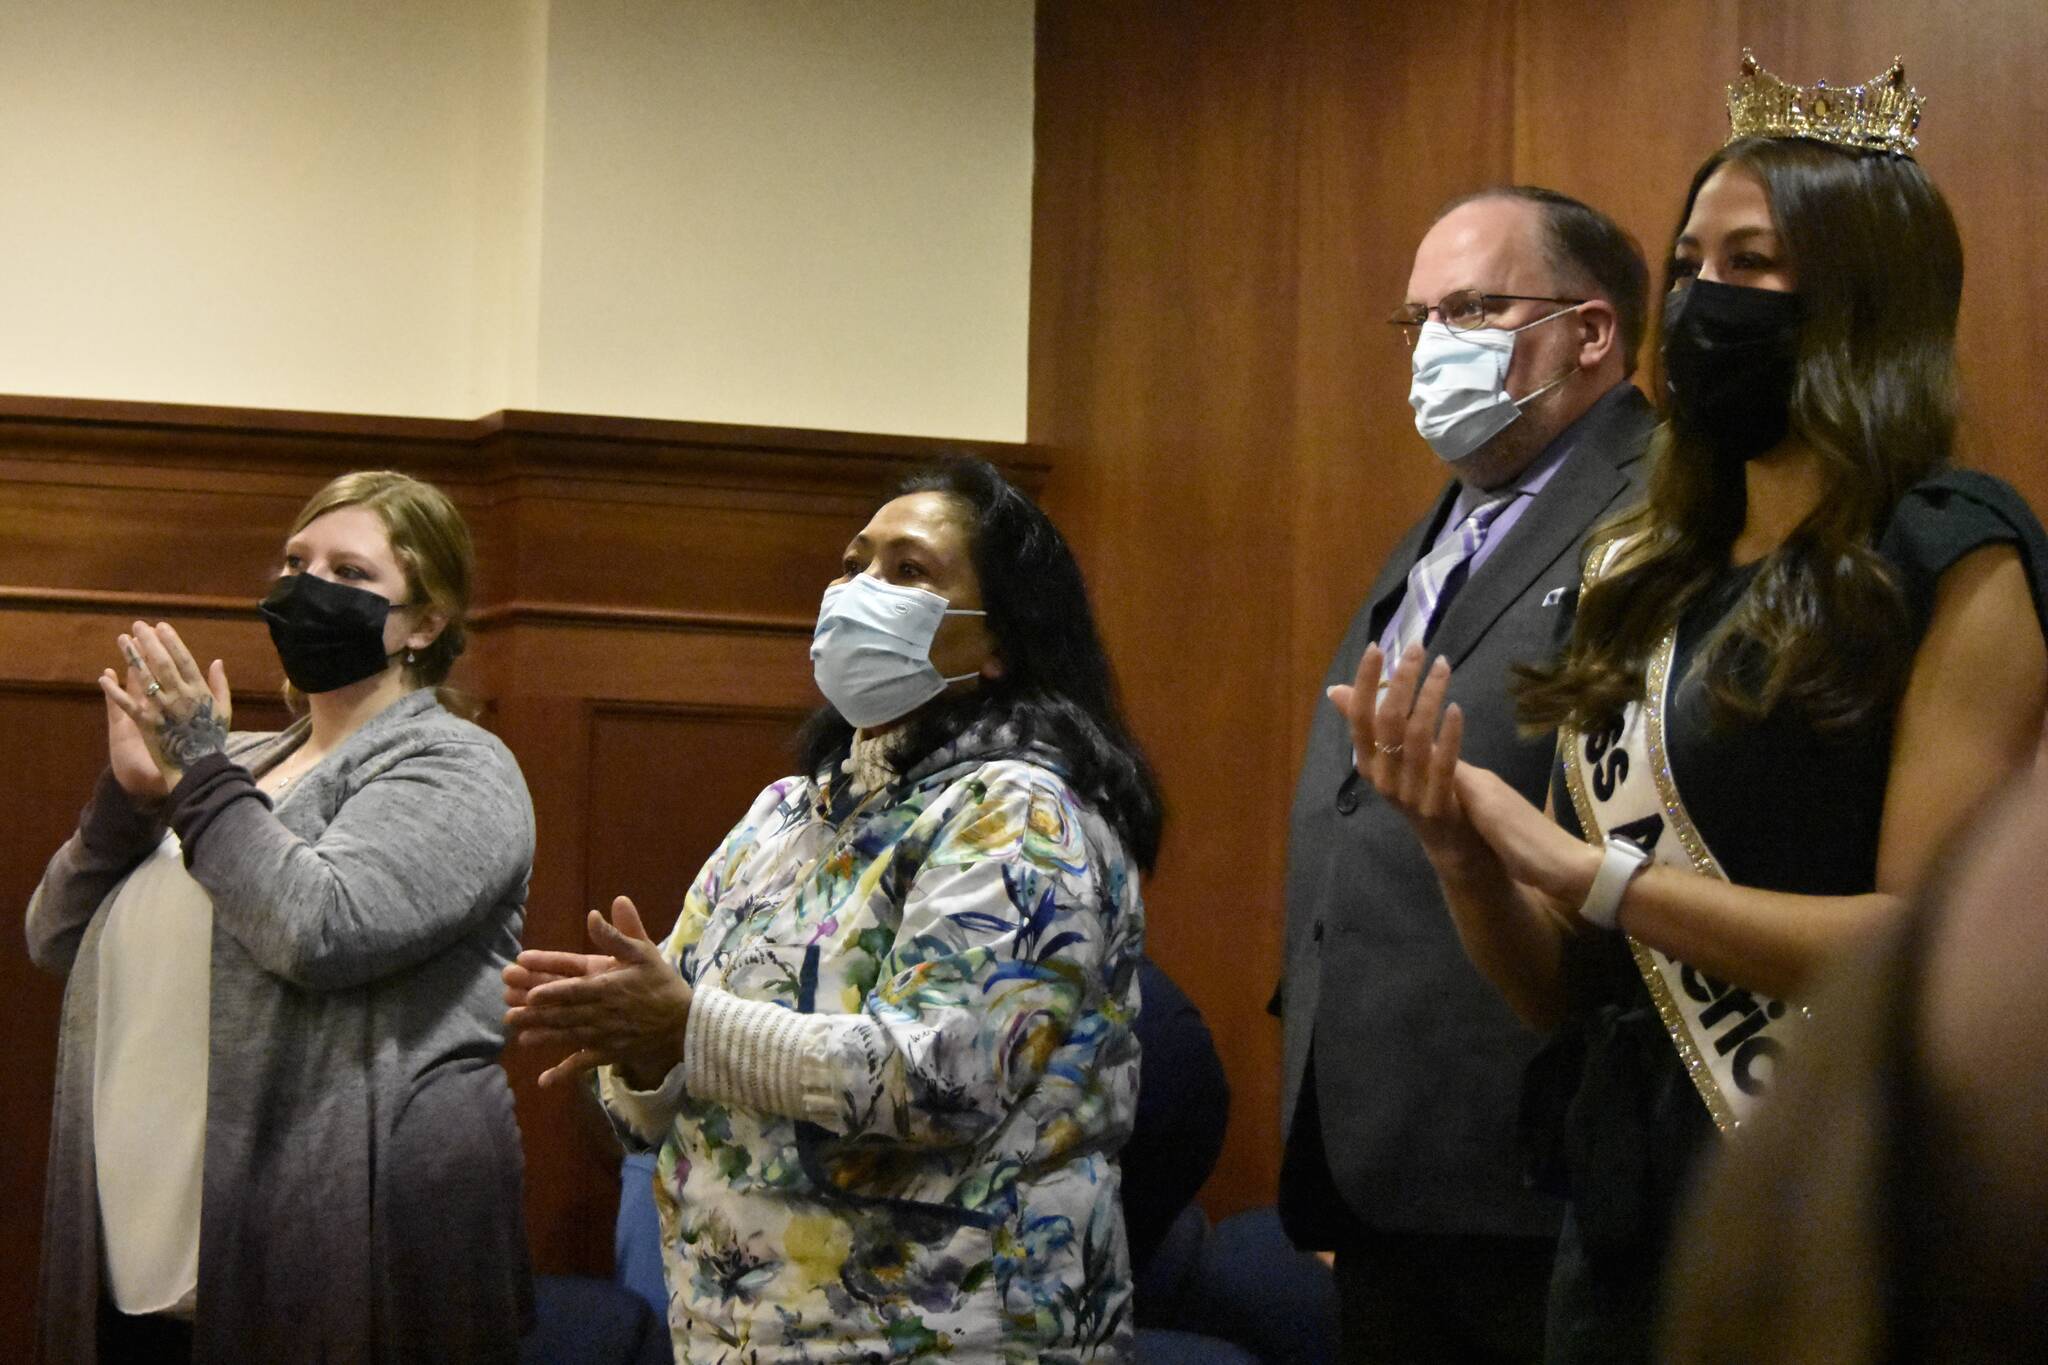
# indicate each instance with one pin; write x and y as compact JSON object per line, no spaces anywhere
{"x":1403,"y":1067}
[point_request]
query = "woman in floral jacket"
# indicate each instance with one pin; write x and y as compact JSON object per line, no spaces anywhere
{"x":887,"y":1053}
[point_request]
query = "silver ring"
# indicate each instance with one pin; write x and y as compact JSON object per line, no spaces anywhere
{"x":1390,"y":750}
{"x":153,"y":688}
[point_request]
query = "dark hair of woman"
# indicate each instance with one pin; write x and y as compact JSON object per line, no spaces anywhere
{"x":1057,"y":687}
{"x":1823,"y":628}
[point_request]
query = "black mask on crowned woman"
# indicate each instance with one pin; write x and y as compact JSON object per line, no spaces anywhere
{"x":1730,"y":355}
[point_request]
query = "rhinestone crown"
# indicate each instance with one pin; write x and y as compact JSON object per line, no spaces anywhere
{"x":1879,"y":115}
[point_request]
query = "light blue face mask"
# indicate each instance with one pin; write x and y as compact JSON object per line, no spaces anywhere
{"x":1459,"y":389}
{"x":871,"y":652}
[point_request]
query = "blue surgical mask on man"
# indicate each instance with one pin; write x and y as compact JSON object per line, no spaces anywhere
{"x":1459,"y":385}
{"x":871,"y":652}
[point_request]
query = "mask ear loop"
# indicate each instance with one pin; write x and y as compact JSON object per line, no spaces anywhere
{"x":1529,"y":398}
{"x":961,"y":611}
{"x":1549,"y":317}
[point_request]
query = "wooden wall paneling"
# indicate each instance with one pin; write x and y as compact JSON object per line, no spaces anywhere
{"x":114,"y":510}
{"x":657,"y":657}
{"x":56,"y":737}
{"x":666,"y":785}
{"x":1618,"y":103}
{"x":1400,"y":113}
{"x":630,"y":799}
{"x":1163,"y":289}
{"x":754,"y":538}
{"x":76,"y":533}
{"x":720,"y":556}
{"x":101,"y":490}
{"x":48,"y":640}
{"x":57,"y":743}
{"x":571,"y":1191}
{"x":84,"y":535}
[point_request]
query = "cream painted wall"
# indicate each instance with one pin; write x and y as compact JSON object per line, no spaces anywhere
{"x":785,"y":212}
{"x":503,"y":196}
{"x":246,"y":201}
{"x":818,"y":209}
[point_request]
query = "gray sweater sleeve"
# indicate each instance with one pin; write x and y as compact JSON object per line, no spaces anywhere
{"x":113,"y":835}
{"x":414,"y":859}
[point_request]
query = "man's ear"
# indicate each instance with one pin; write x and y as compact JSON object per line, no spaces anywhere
{"x":1599,"y":333}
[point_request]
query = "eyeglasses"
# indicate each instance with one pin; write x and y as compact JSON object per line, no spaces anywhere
{"x":1463,"y":310}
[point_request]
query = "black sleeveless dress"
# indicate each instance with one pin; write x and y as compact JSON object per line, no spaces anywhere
{"x":1612,"y":1120}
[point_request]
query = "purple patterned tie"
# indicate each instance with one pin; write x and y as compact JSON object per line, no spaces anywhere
{"x":1435,"y":579}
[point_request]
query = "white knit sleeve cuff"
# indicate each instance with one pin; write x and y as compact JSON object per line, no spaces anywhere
{"x":763,"y":1056}
{"x":646,"y":1114}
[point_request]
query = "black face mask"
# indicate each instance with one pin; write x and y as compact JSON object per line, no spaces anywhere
{"x":1730,"y":356}
{"x":327,"y":634}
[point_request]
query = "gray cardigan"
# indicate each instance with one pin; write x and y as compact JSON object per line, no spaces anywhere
{"x":361,"y":1194}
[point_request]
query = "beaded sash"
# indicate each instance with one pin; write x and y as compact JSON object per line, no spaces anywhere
{"x":1619,"y":776}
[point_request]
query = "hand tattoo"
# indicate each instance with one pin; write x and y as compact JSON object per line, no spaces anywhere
{"x":185,"y":742}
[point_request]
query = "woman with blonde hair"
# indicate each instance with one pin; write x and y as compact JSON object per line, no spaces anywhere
{"x":281,"y":1132}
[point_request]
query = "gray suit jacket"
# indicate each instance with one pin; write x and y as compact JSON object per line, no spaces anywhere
{"x":1417,"y":1062}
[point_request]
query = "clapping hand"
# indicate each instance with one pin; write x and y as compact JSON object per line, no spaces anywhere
{"x":1404,"y":740}
{"x":1407,"y":746}
{"x":624,"y":1007}
{"x":166,"y":715}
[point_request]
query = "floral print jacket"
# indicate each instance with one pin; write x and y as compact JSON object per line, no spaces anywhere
{"x":947,"y":1186}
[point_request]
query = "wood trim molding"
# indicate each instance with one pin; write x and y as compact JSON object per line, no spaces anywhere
{"x":499,"y":444}
{"x":634,"y":618}
{"x":194,"y":606}
{"x":144,"y":604}
{"x":674,"y":710}
{"x":108,"y":412}
{"x":682,"y":536}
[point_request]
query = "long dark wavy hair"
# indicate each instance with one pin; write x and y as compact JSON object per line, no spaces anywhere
{"x":1057,"y":687}
{"x":1822,"y":629}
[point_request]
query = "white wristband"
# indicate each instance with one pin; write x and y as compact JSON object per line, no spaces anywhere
{"x":1619,"y":865}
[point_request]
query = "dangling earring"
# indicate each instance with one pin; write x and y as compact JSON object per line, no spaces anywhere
{"x":410,"y":658}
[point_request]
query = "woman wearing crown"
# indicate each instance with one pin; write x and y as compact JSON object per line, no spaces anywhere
{"x":1794,"y":672}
